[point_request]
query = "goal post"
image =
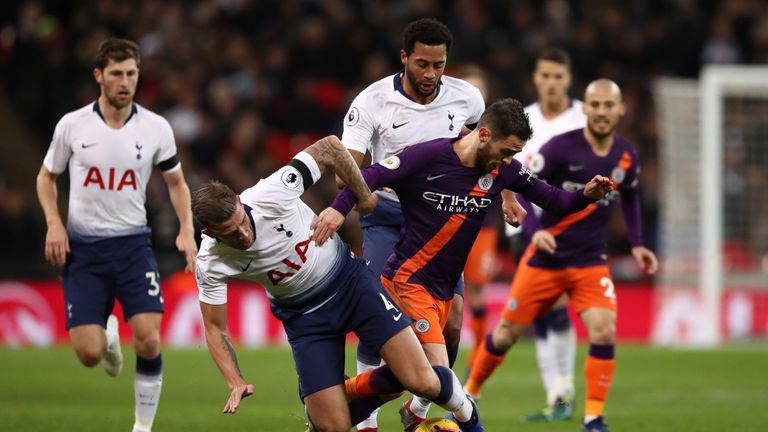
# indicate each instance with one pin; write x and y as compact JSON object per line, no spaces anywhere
{"x":713,"y":160}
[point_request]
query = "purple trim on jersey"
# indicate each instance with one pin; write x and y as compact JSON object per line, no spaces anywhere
{"x":438,"y":194}
{"x":399,"y":85}
{"x":568,"y":161}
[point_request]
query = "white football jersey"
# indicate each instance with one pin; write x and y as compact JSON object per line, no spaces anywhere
{"x":109,"y":169}
{"x":284,"y":257}
{"x":384,"y":121}
{"x":543,"y":130}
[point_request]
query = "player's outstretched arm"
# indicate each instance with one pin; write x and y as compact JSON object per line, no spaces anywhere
{"x":56,"y":240}
{"x":358,"y":158}
{"x":330,"y":153}
{"x":180,"y":198}
{"x":223,"y":353}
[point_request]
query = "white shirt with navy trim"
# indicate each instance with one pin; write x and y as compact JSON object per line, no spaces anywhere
{"x":109,"y":169}
{"x":283,"y":258}
{"x":384,"y":121}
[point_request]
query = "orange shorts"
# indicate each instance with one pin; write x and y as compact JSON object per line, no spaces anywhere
{"x":429,"y":314}
{"x":481,"y":261}
{"x":534,"y":290}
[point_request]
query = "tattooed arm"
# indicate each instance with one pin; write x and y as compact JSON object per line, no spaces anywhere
{"x":330,"y":153}
{"x":223,"y":353}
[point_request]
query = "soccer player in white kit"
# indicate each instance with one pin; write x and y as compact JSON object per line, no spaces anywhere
{"x":320,"y":293}
{"x":553,"y":114}
{"x":110,"y":147}
{"x":415,"y":105}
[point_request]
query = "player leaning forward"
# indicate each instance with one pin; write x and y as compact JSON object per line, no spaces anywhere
{"x":110,"y":148}
{"x":445,"y":188}
{"x":320,"y":293}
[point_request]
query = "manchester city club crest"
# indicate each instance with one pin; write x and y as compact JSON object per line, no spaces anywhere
{"x":618,"y":174}
{"x":422,"y":325}
{"x":485,"y":182}
{"x":512,"y":304}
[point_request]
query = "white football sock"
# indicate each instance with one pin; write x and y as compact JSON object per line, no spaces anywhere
{"x":147,"y":396}
{"x":545,"y":356}
{"x":372,"y":420}
{"x":420,"y":406}
{"x":458,"y":403}
{"x":564,"y":347}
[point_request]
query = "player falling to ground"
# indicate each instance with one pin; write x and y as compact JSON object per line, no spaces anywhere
{"x":110,"y":147}
{"x":319,"y":293}
{"x":553,"y":114}
{"x":415,"y":105}
{"x":568,"y":254}
{"x":481,"y":262}
{"x":445,"y":187}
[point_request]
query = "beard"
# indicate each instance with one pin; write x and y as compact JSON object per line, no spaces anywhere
{"x":415,"y":85}
{"x":117,"y":103}
{"x":601,"y":134}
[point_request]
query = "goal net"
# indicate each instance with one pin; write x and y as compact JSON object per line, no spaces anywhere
{"x":713,"y":167}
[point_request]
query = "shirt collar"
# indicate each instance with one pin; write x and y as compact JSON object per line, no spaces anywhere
{"x":97,"y":110}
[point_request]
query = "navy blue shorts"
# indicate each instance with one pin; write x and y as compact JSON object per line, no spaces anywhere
{"x":97,"y":273}
{"x":354,"y":301}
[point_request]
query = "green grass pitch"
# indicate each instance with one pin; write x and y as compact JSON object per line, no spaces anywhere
{"x":653,"y":390}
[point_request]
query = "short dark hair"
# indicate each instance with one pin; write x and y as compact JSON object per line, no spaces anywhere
{"x":555,"y":55}
{"x":213,"y":203}
{"x":507,"y":117}
{"x":118,"y":50}
{"x":428,"y":31}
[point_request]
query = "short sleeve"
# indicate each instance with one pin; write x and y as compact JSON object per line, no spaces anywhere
{"x":60,"y":150}
{"x":211,"y":285}
{"x":359,"y":125}
{"x":278,"y":193}
{"x":165,"y":157}
{"x":476,"y":106}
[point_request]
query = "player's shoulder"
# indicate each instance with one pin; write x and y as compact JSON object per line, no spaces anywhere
{"x":77,"y":116}
{"x":459,"y":85}
{"x":571,"y":137}
{"x":378,"y":91}
{"x":532,"y":108}
{"x":150,"y":117}
{"x":624,"y":145}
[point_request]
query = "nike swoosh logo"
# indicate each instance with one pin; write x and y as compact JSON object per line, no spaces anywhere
{"x":575,"y":167}
{"x":246,"y":267}
{"x":85,"y":146}
{"x":433,"y":177}
{"x":397,"y":318}
{"x":395,"y":126}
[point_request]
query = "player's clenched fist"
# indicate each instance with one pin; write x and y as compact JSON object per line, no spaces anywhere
{"x":598,"y":187}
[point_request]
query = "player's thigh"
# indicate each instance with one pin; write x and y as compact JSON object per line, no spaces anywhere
{"x":88,"y":290}
{"x":481,"y":260}
{"x":452,"y":329}
{"x":138,"y":282}
{"x":319,"y":360}
{"x":373,"y":315}
{"x":561,"y":302}
{"x":404,"y":355}
{"x":428,"y":313}
{"x":328,"y":409}
{"x":591,"y":287}
{"x":533,"y":291}
{"x":88,"y":340}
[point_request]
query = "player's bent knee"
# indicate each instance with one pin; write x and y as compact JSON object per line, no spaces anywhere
{"x":89,"y":355}
{"x":148,"y":346}
{"x":604,"y":334}
{"x":332,"y":422}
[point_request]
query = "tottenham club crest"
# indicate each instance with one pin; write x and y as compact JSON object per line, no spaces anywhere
{"x":392,"y":162}
{"x":422,"y":326}
{"x":353,"y":116}
{"x":291,"y":177}
{"x":485,"y":182}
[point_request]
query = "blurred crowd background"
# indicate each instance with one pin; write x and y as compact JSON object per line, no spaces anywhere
{"x":245,"y":84}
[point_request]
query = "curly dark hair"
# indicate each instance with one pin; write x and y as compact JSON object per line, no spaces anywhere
{"x":428,"y":31}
